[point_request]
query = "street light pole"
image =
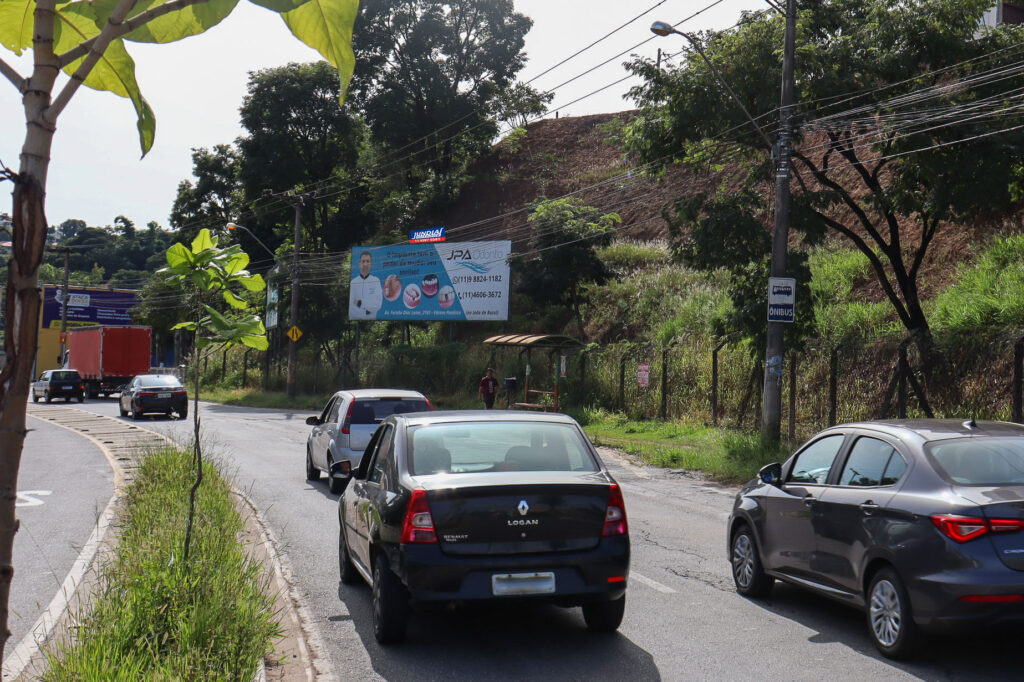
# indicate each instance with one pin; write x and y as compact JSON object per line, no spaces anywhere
{"x":771,"y":416}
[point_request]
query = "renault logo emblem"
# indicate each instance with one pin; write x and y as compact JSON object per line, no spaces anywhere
{"x":523,"y":507}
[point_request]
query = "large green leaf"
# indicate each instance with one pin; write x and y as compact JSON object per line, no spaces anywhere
{"x":234,"y":301}
{"x":253,"y":283}
{"x":236,"y":263}
{"x":179,"y":257}
{"x":257,"y":342}
{"x":280,"y":5}
{"x":115,"y":70}
{"x":203,"y":241}
{"x":16,"y":24}
{"x":326,"y":26}
{"x":185,"y":22}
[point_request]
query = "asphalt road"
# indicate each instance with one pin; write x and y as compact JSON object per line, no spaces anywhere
{"x":64,"y":484}
{"x":683,"y":619}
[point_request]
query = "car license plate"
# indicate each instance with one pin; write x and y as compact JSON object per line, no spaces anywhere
{"x":512,"y":584}
{"x":68,"y":388}
{"x":163,"y":395}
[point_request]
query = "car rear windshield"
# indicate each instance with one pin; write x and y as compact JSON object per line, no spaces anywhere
{"x":980,"y":461}
{"x":374,"y":410}
{"x":65,"y":375}
{"x":472,"y":447}
{"x":160,"y":382}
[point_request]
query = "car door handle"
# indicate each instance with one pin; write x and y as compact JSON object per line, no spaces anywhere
{"x":808,"y":500}
{"x":869,"y":507}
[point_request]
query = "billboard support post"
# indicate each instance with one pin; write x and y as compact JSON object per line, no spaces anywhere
{"x":64,"y":309}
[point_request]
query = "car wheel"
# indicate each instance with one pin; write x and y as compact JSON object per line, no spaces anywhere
{"x":46,"y":397}
{"x":35,"y":398}
{"x":336,"y":485}
{"x":747,"y":572}
{"x":183,"y":413}
{"x":312,"y":473}
{"x":81,"y":397}
{"x":890,"y":620}
{"x":120,"y":408}
{"x":136,"y":413}
{"x":390,"y":604}
{"x":605,"y":616}
{"x":67,"y":399}
{"x":346,"y":568}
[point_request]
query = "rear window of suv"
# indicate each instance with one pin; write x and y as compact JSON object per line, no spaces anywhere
{"x":374,"y":410}
{"x":65,"y":375}
{"x":979,"y":461}
{"x":477,"y":447}
{"x":168,"y":381}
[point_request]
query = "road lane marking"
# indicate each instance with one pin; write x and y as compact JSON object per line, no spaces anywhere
{"x":653,"y":584}
{"x":27,"y":498}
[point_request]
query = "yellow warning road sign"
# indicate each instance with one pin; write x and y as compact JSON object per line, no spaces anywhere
{"x":294,"y":333}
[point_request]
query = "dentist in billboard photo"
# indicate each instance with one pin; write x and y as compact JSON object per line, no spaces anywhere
{"x":365,"y":297}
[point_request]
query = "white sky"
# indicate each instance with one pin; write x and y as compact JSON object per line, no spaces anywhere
{"x":196,"y":86}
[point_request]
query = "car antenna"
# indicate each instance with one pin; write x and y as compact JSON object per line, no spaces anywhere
{"x":970,"y":423}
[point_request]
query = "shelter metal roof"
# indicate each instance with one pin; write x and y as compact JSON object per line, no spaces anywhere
{"x":534,"y":341}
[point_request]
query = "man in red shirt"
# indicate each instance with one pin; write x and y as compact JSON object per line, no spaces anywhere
{"x":488,"y":389}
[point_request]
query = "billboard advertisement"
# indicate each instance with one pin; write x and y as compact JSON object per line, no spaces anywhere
{"x":88,"y":306}
{"x":438,"y":281}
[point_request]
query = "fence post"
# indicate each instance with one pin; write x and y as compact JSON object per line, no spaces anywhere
{"x":622,"y":383}
{"x":792,"y":396}
{"x":833,"y":380}
{"x":1018,"y":371}
{"x":664,"y":382}
{"x":901,"y":386}
{"x":714,"y":383}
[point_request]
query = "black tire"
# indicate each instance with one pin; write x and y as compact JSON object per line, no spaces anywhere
{"x":747,"y":571}
{"x":35,"y":398}
{"x":604,"y":616}
{"x":67,"y":399}
{"x":346,"y":568}
{"x":46,"y":397}
{"x":312,"y":473}
{"x":183,"y":413}
{"x":81,"y":398}
{"x":136,"y":414}
{"x":890,"y":618}
{"x":390,"y":604}
{"x":335,"y":485}
{"x":120,"y":408}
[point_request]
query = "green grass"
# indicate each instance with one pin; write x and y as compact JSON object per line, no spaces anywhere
{"x":253,"y":397}
{"x":156,"y":618}
{"x":724,"y":455}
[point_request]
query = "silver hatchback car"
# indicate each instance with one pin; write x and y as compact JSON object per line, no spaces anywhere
{"x":343,"y":429}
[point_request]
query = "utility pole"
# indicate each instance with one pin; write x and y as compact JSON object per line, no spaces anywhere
{"x":64,"y":308}
{"x":771,"y":417}
{"x":296,"y":201}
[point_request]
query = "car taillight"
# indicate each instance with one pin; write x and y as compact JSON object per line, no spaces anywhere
{"x":345,"y":425}
{"x":418,"y":525}
{"x":992,"y":598}
{"x":964,"y":528}
{"x":179,"y":393}
{"x":148,"y":394}
{"x":430,"y":405}
{"x":82,"y":387}
{"x":615,"y":514}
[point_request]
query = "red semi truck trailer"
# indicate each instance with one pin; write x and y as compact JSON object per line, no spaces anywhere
{"x":108,"y":357}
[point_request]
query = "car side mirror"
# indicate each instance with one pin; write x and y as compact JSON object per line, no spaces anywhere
{"x":342,"y":469}
{"x":313,"y":421}
{"x":771,"y":474}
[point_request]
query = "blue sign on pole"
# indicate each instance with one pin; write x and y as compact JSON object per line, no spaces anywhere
{"x":88,"y":306}
{"x":781,"y":299}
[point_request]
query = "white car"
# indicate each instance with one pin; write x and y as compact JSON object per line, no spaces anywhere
{"x":343,"y":429}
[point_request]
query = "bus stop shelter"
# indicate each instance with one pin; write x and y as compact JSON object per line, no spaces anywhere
{"x":554,"y":345}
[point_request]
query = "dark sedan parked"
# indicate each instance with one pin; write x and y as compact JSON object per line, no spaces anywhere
{"x":154,"y":393}
{"x":58,"y":383}
{"x":484,"y":506}
{"x":918,"y":522}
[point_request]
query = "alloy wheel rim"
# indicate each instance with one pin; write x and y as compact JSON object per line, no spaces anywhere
{"x":743,"y":560}
{"x":886,"y":616}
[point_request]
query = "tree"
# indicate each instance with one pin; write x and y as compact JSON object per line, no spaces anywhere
{"x":428,"y":72}
{"x":905,"y":126}
{"x":520,"y":103}
{"x":208,"y":273}
{"x":87,"y":41}
{"x":566,"y":233}
{"x":214,"y":198}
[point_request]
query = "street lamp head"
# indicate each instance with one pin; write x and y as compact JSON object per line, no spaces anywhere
{"x":663,"y":28}
{"x":233,"y":226}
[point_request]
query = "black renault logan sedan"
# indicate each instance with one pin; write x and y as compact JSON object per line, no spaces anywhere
{"x":484,"y":506}
{"x":918,"y":522}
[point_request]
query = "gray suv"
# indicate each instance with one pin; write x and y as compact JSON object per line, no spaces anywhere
{"x":343,"y":429}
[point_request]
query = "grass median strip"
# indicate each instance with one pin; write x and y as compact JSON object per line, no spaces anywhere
{"x":725,"y":455}
{"x":155,"y":618}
